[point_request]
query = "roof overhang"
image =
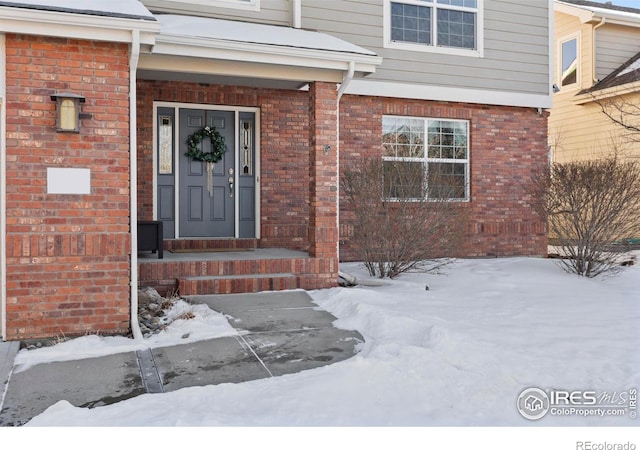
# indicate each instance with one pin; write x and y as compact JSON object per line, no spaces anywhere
{"x":188,"y":48}
{"x":589,"y":14}
{"x":603,"y":94}
{"x":211,"y":48}
{"x":68,"y":24}
{"x":214,"y":50}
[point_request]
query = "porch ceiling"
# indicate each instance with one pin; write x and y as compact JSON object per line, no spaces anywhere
{"x":220,"y":51}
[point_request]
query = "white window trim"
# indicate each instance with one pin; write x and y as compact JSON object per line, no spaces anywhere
{"x":426,"y":160}
{"x":478,"y":52}
{"x":251,"y":5}
{"x":577,"y":36}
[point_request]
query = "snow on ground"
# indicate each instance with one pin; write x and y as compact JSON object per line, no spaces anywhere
{"x":458,"y":353}
{"x":205,"y":324}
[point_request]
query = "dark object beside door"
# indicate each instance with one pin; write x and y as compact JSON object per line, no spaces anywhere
{"x":150,"y":237}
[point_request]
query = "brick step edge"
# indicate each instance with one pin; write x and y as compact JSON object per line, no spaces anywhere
{"x":238,"y":284}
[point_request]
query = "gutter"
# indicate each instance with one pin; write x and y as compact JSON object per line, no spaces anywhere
{"x":133,"y":183}
{"x":174,"y":45}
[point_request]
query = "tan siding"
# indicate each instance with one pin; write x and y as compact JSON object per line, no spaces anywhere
{"x":275,"y":12}
{"x":516,"y":46}
{"x":584,"y":132}
{"x":614,"y":45}
{"x":579,"y":132}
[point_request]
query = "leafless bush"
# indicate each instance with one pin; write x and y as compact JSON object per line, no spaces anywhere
{"x":396,"y":228}
{"x":624,"y":113}
{"x":592,"y":208}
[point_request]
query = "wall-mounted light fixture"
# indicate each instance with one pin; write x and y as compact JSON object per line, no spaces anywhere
{"x":68,"y":110}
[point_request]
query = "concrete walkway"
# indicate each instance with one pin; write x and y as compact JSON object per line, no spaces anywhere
{"x":284,"y":333}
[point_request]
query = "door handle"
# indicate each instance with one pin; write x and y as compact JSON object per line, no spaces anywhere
{"x":231,"y":186}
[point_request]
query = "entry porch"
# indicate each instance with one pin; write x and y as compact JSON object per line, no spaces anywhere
{"x":220,"y":266}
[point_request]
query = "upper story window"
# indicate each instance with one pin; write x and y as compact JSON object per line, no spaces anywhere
{"x":444,"y":26}
{"x":568,"y":54}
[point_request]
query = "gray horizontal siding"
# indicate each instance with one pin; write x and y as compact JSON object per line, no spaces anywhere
{"x":516,"y":53}
{"x":614,"y":45}
{"x":274,"y":12}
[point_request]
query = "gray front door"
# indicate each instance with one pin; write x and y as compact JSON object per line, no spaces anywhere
{"x":207,"y":210}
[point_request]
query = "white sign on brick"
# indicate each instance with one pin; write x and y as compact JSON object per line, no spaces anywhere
{"x":68,"y":181}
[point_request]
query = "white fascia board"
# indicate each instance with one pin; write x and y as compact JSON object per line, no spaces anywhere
{"x":588,"y":14}
{"x":76,"y":26}
{"x":616,"y":91}
{"x":261,"y":53}
{"x":187,"y":65}
{"x":448,"y":94}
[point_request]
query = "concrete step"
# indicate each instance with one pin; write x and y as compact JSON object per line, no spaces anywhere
{"x":237,"y":284}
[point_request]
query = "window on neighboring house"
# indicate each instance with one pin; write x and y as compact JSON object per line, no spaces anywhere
{"x":434,"y":24}
{"x":568,"y":61}
{"x":435,"y":152}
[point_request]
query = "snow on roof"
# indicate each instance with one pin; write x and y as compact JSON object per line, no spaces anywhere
{"x":629,"y":72}
{"x":225,"y":30}
{"x":129,"y":9}
{"x":635,"y":65}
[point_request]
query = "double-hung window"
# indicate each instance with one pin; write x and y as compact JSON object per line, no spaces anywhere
{"x":434,"y":25}
{"x":425,"y":158}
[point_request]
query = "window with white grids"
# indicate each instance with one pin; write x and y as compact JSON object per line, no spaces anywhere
{"x":446,"y":26}
{"x":432,"y":153}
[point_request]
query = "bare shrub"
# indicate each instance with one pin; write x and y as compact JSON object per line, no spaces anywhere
{"x":624,"y":112}
{"x":592,"y":208}
{"x":396,"y":228}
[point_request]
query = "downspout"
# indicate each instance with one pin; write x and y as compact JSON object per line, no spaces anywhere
{"x":593,"y":50}
{"x":296,"y":14}
{"x":133,"y":183}
{"x":345,"y":82}
{"x":3,"y":191}
{"x":346,"y":79}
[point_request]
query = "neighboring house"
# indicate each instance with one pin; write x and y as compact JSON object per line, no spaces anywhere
{"x":597,"y":49}
{"x":299,"y":90}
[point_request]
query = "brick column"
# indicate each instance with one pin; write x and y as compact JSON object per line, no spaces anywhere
{"x":68,"y":263}
{"x":323,"y":171}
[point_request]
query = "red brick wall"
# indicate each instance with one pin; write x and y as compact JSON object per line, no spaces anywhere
{"x":284,"y":121}
{"x":507,"y":143}
{"x":67,"y":255}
